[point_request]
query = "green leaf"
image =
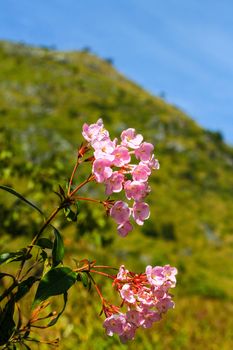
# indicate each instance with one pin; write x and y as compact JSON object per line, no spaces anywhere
{"x":54,"y":321}
{"x":85,"y":279}
{"x":15,"y":193}
{"x":70,"y":214}
{"x":58,"y":248}
{"x":14,"y":256}
{"x":56,"y":281}
{"x":45,"y":243}
{"x":7,"y":323}
{"x":24,"y":287}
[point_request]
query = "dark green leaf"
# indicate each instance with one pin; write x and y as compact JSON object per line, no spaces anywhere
{"x":58,"y":248}
{"x":85,"y":279}
{"x":44,"y":243}
{"x":24,"y":287}
{"x":70,"y":214}
{"x":54,"y":321}
{"x":56,"y":281}
{"x":14,"y":256}
{"x":7,"y":323}
{"x":15,"y":193}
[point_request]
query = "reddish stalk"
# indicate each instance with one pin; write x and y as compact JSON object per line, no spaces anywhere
{"x":103,"y":274}
{"x":72,"y":176}
{"x":89,"y":179}
{"x":88,"y":199}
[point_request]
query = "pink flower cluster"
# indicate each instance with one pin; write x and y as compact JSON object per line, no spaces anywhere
{"x":146,"y":297}
{"x":112,"y":166}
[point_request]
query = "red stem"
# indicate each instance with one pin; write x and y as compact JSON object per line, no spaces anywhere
{"x":89,"y":179}
{"x":103,"y":274}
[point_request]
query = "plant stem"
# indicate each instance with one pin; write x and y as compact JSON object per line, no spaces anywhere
{"x":47,"y":222}
{"x":88,"y":199}
{"x":103,"y":274}
{"x":89,"y":179}
{"x":72,"y":176}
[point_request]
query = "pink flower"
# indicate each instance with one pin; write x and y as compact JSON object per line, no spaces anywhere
{"x":114,"y":183}
{"x":146,"y":296}
{"x":104,"y":149}
{"x":163,"y":277}
{"x":155,"y":275}
{"x":149,"y":317}
{"x":121,"y":156}
{"x":127,"y":294}
{"x":170,"y":275}
{"x":130,"y":139}
{"x":94,"y":131}
{"x":144,"y":151}
{"x":122,"y":274}
{"x":136,"y":190}
{"x":115,"y":324}
{"x":129,"y":332}
{"x":124,"y":229}
{"x":141,"y":212}
{"x":120,"y":212}
{"x":141,"y":172}
{"x":134,"y":317}
{"x":101,"y":169}
{"x":164,"y":304}
{"x":153,"y":163}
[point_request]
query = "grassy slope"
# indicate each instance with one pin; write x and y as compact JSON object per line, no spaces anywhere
{"x":45,"y":97}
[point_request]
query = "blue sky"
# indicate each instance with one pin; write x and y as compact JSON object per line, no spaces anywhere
{"x":178,"y":47}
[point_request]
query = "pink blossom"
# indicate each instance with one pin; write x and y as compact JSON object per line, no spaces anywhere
{"x":149,"y":317}
{"x":141,"y":212}
{"x":153,"y":163}
{"x":136,"y":190}
{"x":130,"y":139}
{"x":114,"y":183}
{"x":94,"y":131}
{"x":170,"y":274}
{"x":120,"y":212}
{"x":129,"y":332}
{"x":115,"y":324}
{"x":141,"y":172}
{"x":155,"y":275}
{"x":127,"y":294}
{"x":146,"y":296}
{"x":104,"y":149}
{"x":134,"y":317}
{"x":124,"y":229}
{"x":144,"y":151}
{"x":164,"y":304}
{"x":163,"y":277}
{"x":101,"y":169}
{"x":121,"y":156}
{"x":122,"y":274}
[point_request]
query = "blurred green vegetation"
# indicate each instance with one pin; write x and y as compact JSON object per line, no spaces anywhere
{"x":45,"y":97}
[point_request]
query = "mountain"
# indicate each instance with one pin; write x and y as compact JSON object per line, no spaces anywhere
{"x":45,"y":97}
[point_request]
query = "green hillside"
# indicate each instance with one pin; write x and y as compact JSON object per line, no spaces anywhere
{"x":45,"y":97}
